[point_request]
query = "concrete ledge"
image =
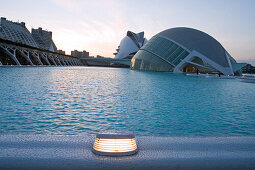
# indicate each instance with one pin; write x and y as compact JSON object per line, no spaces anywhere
{"x":74,"y":152}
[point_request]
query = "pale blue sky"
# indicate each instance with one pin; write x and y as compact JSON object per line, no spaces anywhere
{"x":99,"y":25}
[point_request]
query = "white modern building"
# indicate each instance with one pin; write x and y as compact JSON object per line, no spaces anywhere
{"x":129,"y":45}
{"x":184,"y":49}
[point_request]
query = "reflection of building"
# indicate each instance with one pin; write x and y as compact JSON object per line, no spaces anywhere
{"x":44,"y":39}
{"x":129,"y":45}
{"x":79,"y":54}
{"x":16,"y":32}
{"x":185,"y":50}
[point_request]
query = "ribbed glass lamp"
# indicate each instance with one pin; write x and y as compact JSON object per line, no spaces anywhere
{"x":115,"y":144}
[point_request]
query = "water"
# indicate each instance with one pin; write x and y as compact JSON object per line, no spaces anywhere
{"x":87,"y":100}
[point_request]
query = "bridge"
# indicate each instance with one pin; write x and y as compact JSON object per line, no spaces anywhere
{"x":21,"y":54}
{"x":126,"y":62}
{"x":18,"y":46}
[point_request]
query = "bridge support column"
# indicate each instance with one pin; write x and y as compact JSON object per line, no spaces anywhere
{"x":36,"y":55}
{"x":11,"y":53}
{"x":63,"y":61}
{"x":67,"y":61}
{"x":57,"y":59}
{"x":52,"y":59}
{"x":73,"y":62}
{"x":25,"y":54}
{"x":70,"y":61}
{"x":64,"y":58}
{"x":44,"y":56}
{"x":79,"y":61}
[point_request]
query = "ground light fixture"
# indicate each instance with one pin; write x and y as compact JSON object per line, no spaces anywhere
{"x":115,"y":144}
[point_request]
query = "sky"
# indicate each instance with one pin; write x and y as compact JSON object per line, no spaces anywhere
{"x":98,"y":26}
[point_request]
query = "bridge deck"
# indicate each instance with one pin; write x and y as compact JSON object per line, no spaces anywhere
{"x":109,"y":60}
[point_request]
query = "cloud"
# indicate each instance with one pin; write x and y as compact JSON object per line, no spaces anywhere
{"x":95,"y":26}
{"x":70,"y":5}
{"x":95,"y":36}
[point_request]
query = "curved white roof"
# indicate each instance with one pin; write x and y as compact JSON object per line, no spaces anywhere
{"x":127,"y":46}
{"x":199,"y":41}
{"x":131,"y":43}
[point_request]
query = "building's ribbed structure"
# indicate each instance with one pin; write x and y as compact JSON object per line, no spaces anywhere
{"x":44,"y":39}
{"x":16,"y":32}
{"x":187,"y":50}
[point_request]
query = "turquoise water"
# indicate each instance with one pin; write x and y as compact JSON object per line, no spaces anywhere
{"x":87,"y":100}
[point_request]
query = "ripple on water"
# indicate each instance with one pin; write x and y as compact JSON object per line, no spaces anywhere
{"x":87,"y":100}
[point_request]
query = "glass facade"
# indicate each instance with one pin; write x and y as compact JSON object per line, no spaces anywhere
{"x":158,"y":54}
{"x":147,"y":61}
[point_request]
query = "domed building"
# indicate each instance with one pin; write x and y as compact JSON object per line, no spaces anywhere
{"x":185,"y":50}
{"x":129,"y":45}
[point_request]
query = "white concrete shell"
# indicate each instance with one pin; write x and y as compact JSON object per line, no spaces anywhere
{"x":127,"y":46}
{"x":130,"y":44}
{"x":180,"y":47}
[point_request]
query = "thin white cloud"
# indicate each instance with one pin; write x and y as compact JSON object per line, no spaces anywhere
{"x":70,"y":5}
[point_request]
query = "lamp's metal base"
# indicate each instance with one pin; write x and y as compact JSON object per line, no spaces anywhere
{"x":117,"y":154}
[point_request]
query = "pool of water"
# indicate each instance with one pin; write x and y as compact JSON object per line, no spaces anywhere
{"x":87,"y":100}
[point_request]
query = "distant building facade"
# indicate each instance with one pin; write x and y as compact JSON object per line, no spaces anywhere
{"x":44,"y":39}
{"x":85,"y":54}
{"x":61,"y":52}
{"x":99,"y":56}
{"x":79,"y":54}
